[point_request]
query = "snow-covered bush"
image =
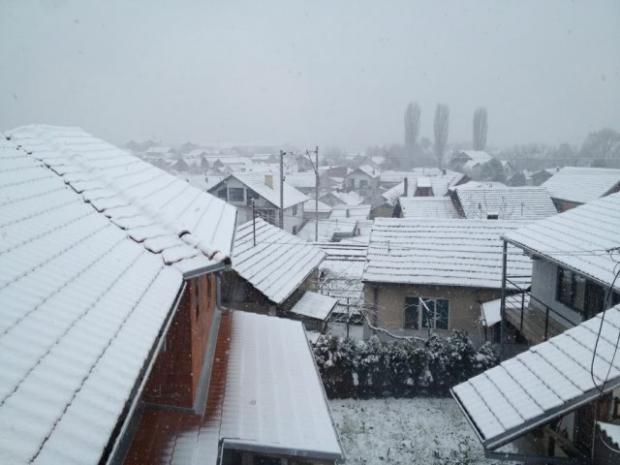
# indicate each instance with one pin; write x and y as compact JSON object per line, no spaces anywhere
{"x":404,"y":368}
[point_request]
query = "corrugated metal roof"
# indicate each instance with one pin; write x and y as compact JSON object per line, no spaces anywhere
{"x":579,"y":238}
{"x":582,"y":184}
{"x":82,"y":304}
{"x":174,"y":218}
{"x":456,"y":252}
{"x":428,"y":207}
{"x":314,"y":305}
{"x":543,"y":383}
{"x":279,"y":262}
{"x":510,"y":203}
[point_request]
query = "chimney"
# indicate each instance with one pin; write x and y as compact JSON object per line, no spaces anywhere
{"x":269,"y":180}
{"x":406,"y":186}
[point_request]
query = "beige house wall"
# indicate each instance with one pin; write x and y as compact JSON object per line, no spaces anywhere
{"x":464,"y":306}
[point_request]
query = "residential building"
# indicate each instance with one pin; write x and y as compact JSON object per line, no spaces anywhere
{"x":470,"y":162}
{"x":271,"y":269}
{"x":110,"y":272}
{"x":259,"y":195}
{"x":364,"y":180}
{"x":425,"y":207}
{"x":330,"y":229}
{"x":558,"y":402}
{"x":572,"y":185}
{"x":494,"y":200}
{"x":575,"y":257}
{"x":427,"y":275}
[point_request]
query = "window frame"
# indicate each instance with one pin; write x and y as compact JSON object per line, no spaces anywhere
{"x":421,"y":320}
{"x":237,"y":190}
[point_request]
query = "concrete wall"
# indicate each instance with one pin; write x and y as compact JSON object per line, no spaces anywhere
{"x":464,"y":306}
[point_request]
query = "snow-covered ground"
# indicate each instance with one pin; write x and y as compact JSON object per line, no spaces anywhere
{"x":424,"y":431}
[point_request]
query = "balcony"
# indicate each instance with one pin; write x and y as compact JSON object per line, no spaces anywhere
{"x":533,"y":319}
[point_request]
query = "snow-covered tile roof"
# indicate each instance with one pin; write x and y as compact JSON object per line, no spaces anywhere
{"x":456,"y":252}
{"x":581,"y":184}
{"x":358,"y":212}
{"x":543,"y":383}
{"x":257,"y":183}
{"x":303,"y":179}
{"x":183,"y":222}
{"x":368,"y":170}
{"x":309,"y":206}
{"x":82,"y":305}
{"x":314,"y":305}
{"x":349,"y":198}
{"x":279,"y":262}
{"x":490,"y":312}
{"x":579,"y":238}
{"x":478,"y":200}
{"x":476,"y":156}
{"x":440,"y":181}
{"x":329,"y":229}
{"x":428,"y":207}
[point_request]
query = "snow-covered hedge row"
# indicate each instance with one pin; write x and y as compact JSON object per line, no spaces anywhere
{"x":352,"y":368}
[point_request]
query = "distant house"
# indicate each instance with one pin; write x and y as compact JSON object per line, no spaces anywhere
{"x":572,"y":185}
{"x":558,"y":402}
{"x":330,"y":229}
{"x":470,"y":162}
{"x":364,"y":180}
{"x":310,"y":210}
{"x":240,"y":189}
{"x":493,"y":200}
{"x":304,"y":181}
{"x":537,"y":178}
{"x":433,"y":275}
{"x":271,"y":276}
{"x":574,"y":264}
{"x":335,"y":198}
{"x":111,"y":267}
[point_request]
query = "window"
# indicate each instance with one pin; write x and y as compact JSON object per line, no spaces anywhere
{"x":294,"y":210}
{"x":363,"y":184}
{"x":235,"y":194}
{"x":251,"y":195}
{"x":493,"y":216}
{"x":223,"y":193}
{"x":579,"y":293}
{"x":422,"y":312}
{"x":294,"y":230}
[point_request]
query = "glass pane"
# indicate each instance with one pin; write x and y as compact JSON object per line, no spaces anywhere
{"x":579,"y":293}
{"x":411,"y":312}
{"x":442,"y":314}
{"x":565,"y":287}
{"x":428,"y":313}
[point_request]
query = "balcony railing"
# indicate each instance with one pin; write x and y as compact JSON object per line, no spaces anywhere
{"x":535,"y":320}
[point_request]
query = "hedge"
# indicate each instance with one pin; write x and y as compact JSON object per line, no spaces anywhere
{"x":405,"y":368}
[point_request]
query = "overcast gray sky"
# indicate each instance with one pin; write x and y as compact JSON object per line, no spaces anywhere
{"x":326,"y":72}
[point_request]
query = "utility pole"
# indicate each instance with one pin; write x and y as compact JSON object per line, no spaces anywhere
{"x":502,"y":307}
{"x":282,"y":153}
{"x":316,"y":194}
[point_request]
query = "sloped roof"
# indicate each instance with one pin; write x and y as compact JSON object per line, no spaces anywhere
{"x":612,"y":431}
{"x":479,"y":199}
{"x":579,"y":238}
{"x":309,"y":206}
{"x":367,"y":170}
{"x":349,"y":198}
{"x":428,"y":207}
{"x":328,"y":229}
{"x":314,"y":305}
{"x":477,"y":156}
{"x":358,"y":212}
{"x":490,"y":312}
{"x":265,"y":396}
{"x":279,"y":262}
{"x":82,"y":307}
{"x":582,"y":184}
{"x":165,"y":213}
{"x":439,"y":181}
{"x":455,"y":252}
{"x":256,"y":182}
{"x":303,"y":179}
{"x":544,"y":383}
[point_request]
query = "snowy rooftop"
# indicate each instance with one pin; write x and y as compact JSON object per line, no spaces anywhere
{"x":82,"y":306}
{"x":428,"y":207}
{"x":478,"y":200}
{"x":358,"y":212}
{"x":439,"y":181}
{"x":309,"y":206}
{"x":477,"y":156}
{"x":302,"y":179}
{"x":329,"y":229}
{"x":543,"y":383}
{"x":579,"y":238}
{"x":349,"y":198}
{"x":166,"y":214}
{"x":490,"y":312}
{"x":313,"y":305}
{"x":368,"y":170}
{"x":455,"y":252}
{"x":581,"y":184}
{"x":612,"y":431}
{"x":279,"y":262}
{"x":257,"y":183}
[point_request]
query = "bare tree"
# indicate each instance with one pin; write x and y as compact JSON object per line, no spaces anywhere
{"x":412,"y":127}
{"x":441,"y":128}
{"x":480,"y":128}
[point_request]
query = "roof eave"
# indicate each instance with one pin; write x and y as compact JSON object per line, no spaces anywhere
{"x":269,"y":449}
